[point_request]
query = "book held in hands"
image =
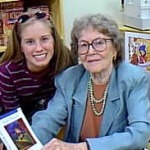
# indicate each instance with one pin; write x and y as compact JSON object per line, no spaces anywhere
{"x":16,"y":133}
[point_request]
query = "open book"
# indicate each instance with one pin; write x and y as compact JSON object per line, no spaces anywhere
{"x":16,"y":133}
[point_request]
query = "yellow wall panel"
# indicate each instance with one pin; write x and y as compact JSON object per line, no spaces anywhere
{"x":7,"y":0}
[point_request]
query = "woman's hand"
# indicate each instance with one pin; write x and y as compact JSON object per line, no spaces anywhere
{"x":56,"y":144}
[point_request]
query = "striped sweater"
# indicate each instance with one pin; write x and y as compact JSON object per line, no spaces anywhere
{"x":21,"y":88}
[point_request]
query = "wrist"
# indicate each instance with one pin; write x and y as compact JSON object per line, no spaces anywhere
{"x":82,"y":146}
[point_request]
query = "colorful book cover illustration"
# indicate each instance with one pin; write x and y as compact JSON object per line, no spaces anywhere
{"x":16,"y":133}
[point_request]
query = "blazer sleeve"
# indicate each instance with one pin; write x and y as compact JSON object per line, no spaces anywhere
{"x":47,"y":123}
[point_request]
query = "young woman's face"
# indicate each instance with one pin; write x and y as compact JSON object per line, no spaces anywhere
{"x":96,"y":61}
{"x":37,"y":44}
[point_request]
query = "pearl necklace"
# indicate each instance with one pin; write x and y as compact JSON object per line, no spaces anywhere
{"x":94,"y":101}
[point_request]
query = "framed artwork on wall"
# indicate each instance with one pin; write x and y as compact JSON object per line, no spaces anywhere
{"x":137,"y":49}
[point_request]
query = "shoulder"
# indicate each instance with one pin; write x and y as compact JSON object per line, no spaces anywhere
{"x":10,"y":67}
{"x":130,"y":72}
{"x":70,"y":75}
{"x":130,"y":68}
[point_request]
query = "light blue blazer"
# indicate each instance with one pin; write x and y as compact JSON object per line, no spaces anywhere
{"x":126,"y":118}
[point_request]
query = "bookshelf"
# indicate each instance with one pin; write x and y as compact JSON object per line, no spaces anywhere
{"x":9,"y":10}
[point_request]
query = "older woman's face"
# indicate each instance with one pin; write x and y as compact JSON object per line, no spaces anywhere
{"x":93,"y":60}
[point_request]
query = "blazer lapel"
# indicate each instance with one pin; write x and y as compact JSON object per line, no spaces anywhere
{"x":79,"y":98}
{"x":111,"y":107}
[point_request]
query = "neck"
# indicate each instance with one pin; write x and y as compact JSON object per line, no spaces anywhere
{"x":102,"y":77}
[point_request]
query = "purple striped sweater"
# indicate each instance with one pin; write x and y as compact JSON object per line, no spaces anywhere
{"x":21,"y":88}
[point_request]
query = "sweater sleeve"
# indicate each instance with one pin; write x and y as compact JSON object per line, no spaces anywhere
{"x":8,"y":96}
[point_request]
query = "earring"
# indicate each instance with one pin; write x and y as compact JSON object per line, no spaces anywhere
{"x":114,"y":57}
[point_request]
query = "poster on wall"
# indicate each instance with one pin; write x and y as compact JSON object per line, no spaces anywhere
{"x":137,"y":49}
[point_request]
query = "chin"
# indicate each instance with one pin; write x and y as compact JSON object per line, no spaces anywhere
{"x":94,"y":70}
{"x":42,"y":65}
{"x":43,"y":62}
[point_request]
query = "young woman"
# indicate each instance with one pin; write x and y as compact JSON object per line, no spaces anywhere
{"x":35,"y":54}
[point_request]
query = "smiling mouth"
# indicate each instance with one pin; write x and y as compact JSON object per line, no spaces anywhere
{"x":94,"y":60}
{"x":40,"y":56}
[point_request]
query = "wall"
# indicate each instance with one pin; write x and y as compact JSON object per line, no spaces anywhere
{"x":76,"y":8}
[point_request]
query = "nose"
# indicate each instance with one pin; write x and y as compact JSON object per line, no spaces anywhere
{"x":38,"y":46}
{"x":91,"y":49}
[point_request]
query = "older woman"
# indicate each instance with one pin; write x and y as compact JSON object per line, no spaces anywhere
{"x":103,"y":101}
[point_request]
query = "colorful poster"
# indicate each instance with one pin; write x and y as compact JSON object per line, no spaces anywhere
{"x":137,"y":49}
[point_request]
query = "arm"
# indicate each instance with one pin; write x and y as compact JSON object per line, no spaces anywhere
{"x":8,"y":96}
{"x":47,"y":123}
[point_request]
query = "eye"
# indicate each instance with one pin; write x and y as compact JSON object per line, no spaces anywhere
{"x":83,"y":45}
{"x":29,"y":42}
{"x":98,"y":42}
{"x":45,"y":39}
